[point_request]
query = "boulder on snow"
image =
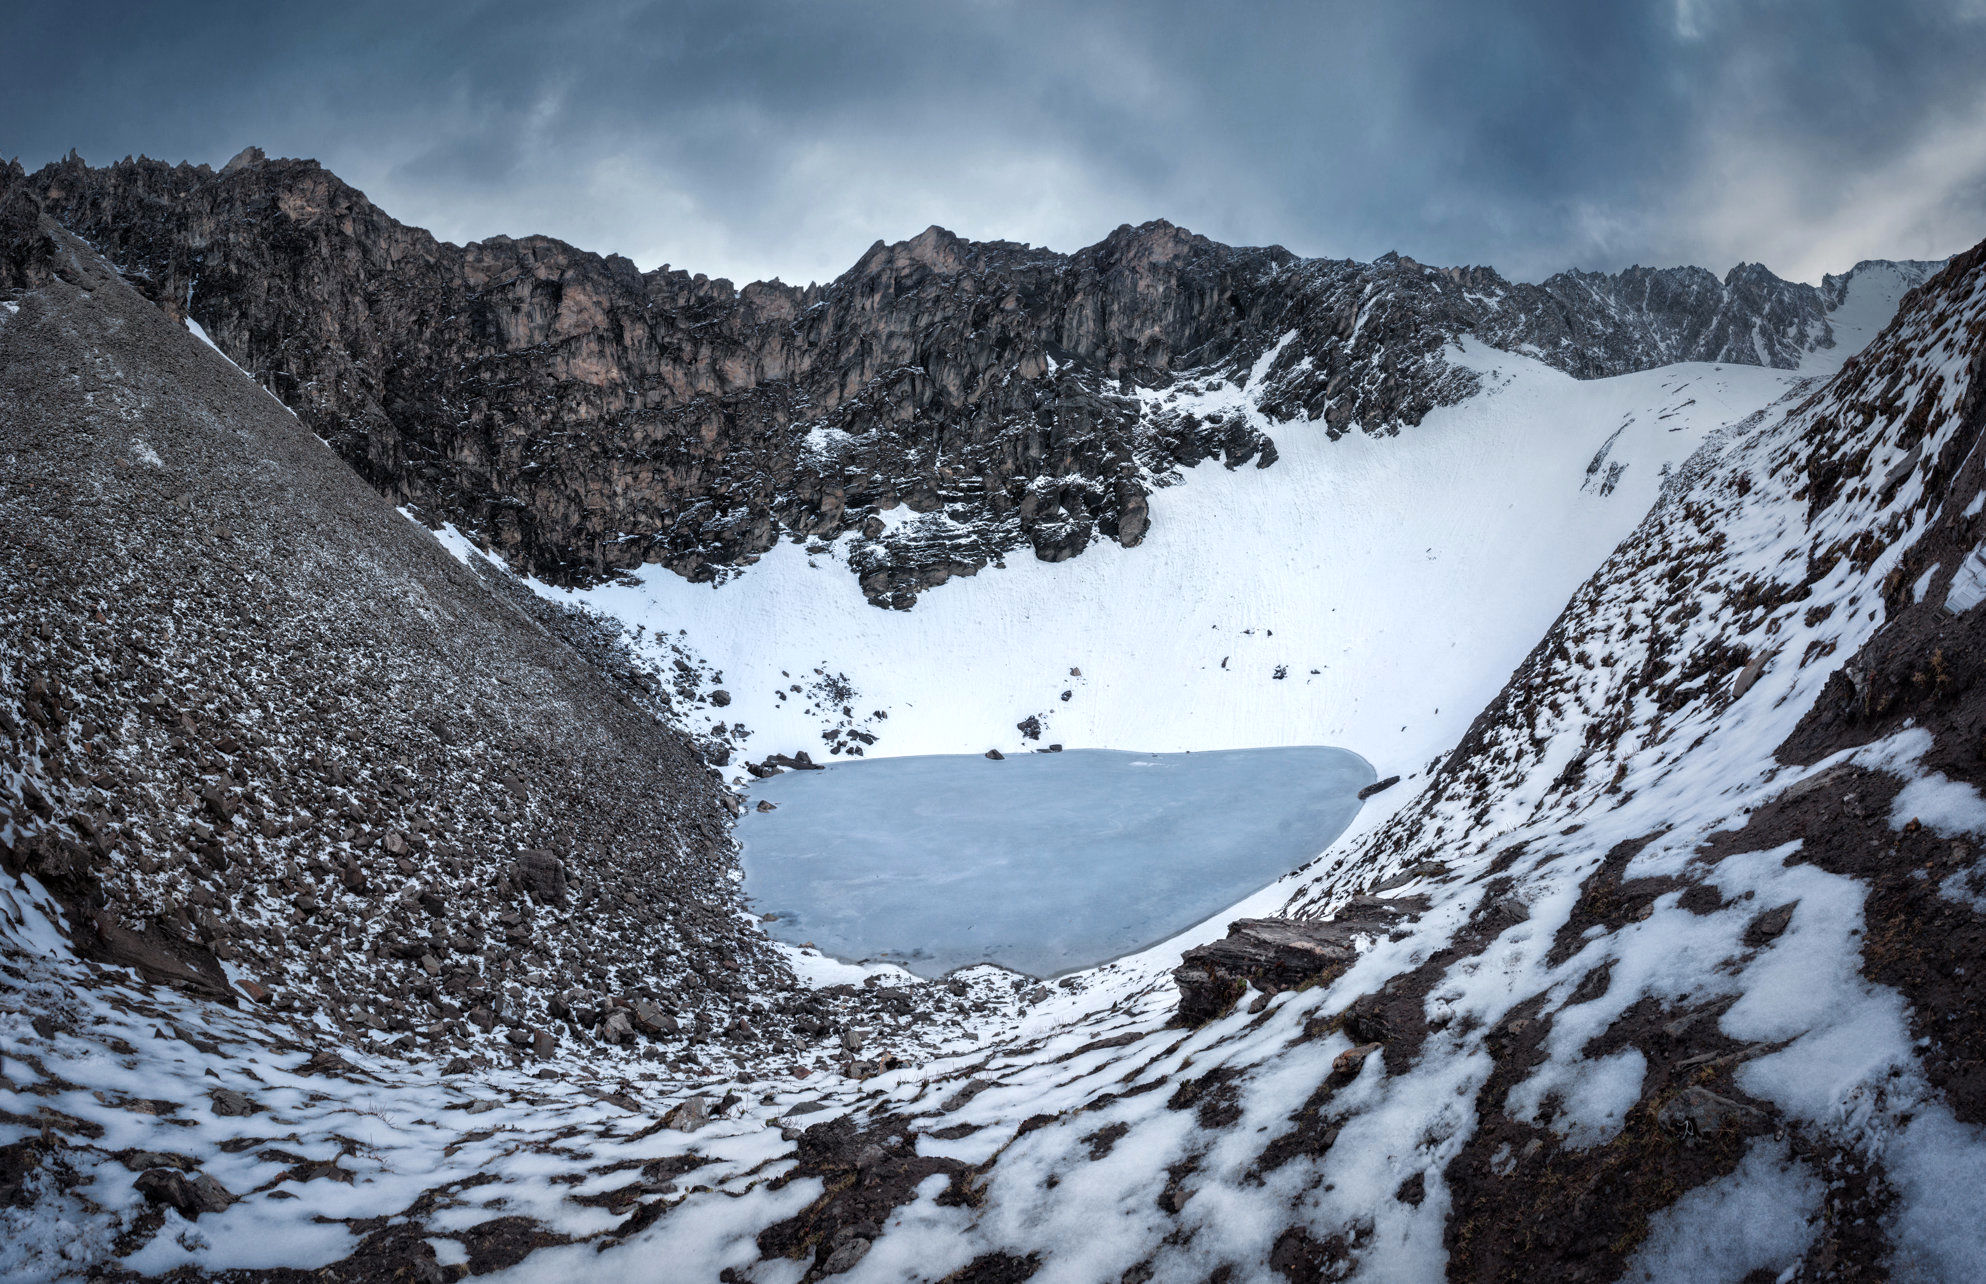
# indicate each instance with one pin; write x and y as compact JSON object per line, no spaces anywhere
{"x":191,"y":1193}
{"x":650,"y":1019}
{"x":231,"y":1104}
{"x":688,"y":1116}
{"x":1348,"y":1063}
{"x":1277,"y":954}
{"x":1377,"y":787}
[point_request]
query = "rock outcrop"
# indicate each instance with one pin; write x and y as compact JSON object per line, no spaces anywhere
{"x":1277,"y":954}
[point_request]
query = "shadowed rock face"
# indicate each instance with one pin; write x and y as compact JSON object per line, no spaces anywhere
{"x":586,"y":417}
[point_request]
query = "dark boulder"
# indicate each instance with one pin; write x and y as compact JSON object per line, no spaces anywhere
{"x":191,"y":1193}
{"x":542,"y":874}
{"x":1277,"y":954}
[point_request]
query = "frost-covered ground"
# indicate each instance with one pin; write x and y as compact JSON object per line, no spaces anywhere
{"x":1044,"y":863}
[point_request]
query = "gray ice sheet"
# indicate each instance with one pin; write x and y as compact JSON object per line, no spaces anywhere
{"x":1044,"y":862}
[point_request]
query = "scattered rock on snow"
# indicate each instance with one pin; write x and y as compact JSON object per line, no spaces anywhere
{"x":231,"y":1104}
{"x":1275,"y":954}
{"x":689,"y":1115}
{"x":191,"y":1193}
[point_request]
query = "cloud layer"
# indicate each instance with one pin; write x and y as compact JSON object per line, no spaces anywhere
{"x":754,"y":138}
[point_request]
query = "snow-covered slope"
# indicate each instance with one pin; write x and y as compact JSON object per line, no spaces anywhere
{"x":1368,"y":592}
{"x":1860,"y":302}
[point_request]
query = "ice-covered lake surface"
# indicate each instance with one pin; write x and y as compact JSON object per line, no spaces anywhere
{"x":1044,"y":863}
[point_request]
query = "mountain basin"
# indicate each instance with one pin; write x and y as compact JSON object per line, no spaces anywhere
{"x":1044,"y":863}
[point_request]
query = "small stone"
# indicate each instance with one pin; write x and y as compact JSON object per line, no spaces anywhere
{"x":845,"y":1256}
{"x":230,"y":1104}
{"x":1696,"y":1113}
{"x":326,"y":1062}
{"x":1770,"y":925}
{"x":688,"y":1116}
{"x":1349,"y":1062}
{"x":190,"y":1193}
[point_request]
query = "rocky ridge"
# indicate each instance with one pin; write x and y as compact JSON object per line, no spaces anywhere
{"x":583,"y":417}
{"x":268,"y":742}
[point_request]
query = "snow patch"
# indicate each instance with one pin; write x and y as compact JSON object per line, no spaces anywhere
{"x":1759,"y":1218}
{"x":1968,"y":586}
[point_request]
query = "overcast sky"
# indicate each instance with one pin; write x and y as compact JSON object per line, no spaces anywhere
{"x":753,"y":138}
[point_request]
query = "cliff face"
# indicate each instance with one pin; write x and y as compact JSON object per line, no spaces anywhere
{"x":584,"y":416}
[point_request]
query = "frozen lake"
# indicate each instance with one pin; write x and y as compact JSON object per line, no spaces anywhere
{"x":1044,"y":863}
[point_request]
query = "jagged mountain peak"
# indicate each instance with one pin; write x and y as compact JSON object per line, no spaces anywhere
{"x":247,"y":156}
{"x":1154,"y":242}
{"x":585,"y":418}
{"x":1905,"y":274}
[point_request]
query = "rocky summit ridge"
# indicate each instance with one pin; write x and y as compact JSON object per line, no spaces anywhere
{"x":583,"y":417}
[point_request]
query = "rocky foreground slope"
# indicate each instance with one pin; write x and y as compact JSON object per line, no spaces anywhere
{"x":265,"y":737}
{"x":583,"y":416}
{"x":1668,"y":971}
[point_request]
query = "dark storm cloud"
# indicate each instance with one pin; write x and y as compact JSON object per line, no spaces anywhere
{"x":763,"y":138}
